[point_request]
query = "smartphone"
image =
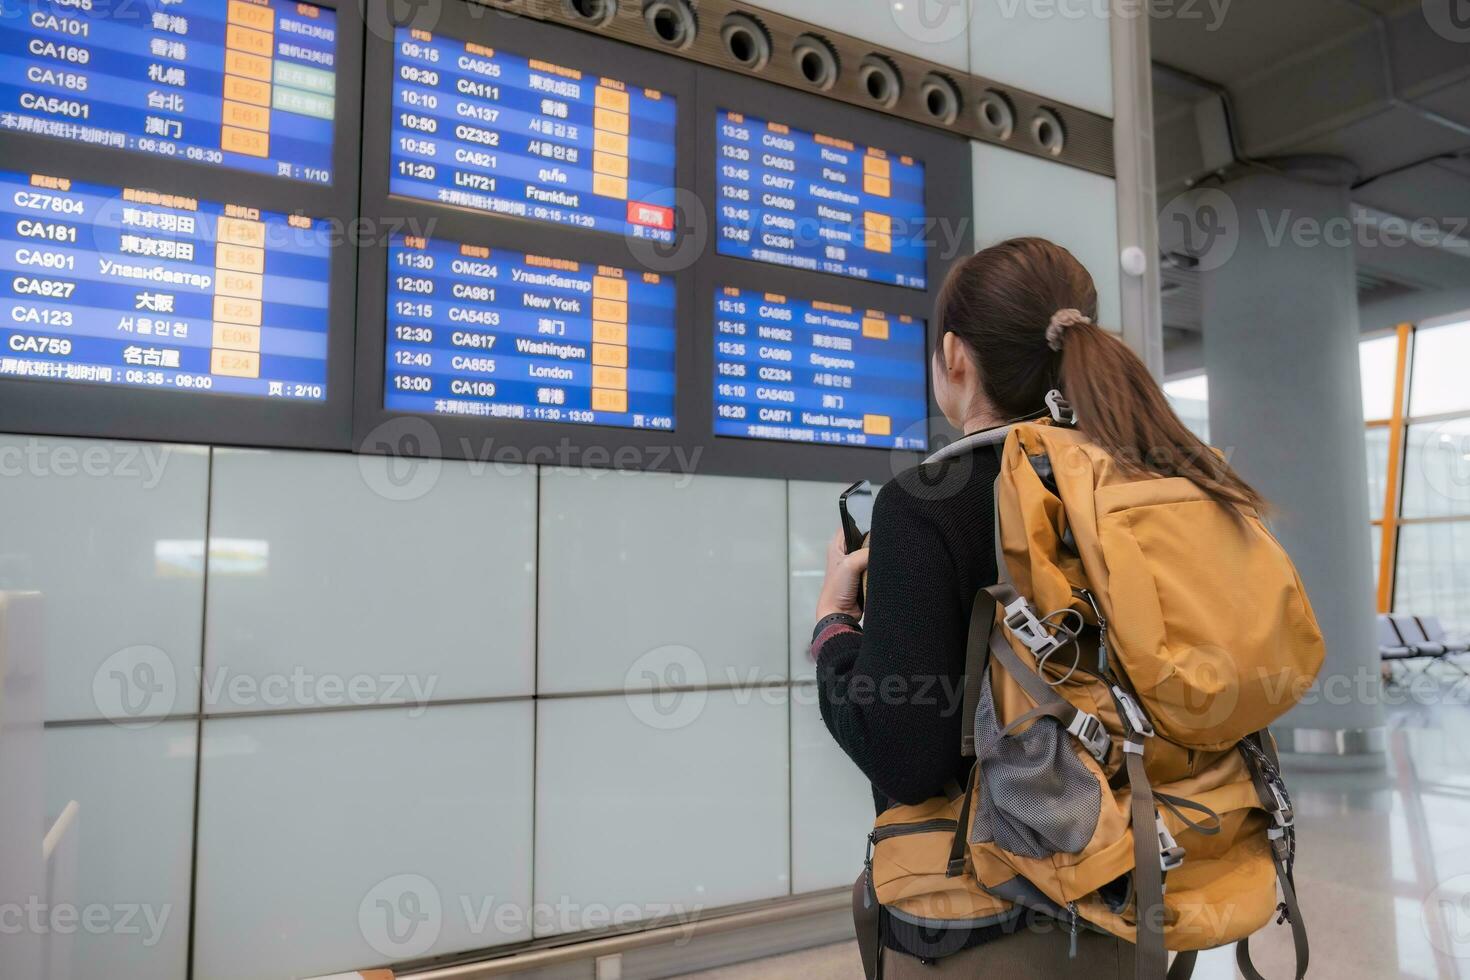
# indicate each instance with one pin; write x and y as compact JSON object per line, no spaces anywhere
{"x":856,"y":507}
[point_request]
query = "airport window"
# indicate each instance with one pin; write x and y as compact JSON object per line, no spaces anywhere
{"x":1377,"y":446}
{"x":1440,"y":356}
{"x":1432,"y":574}
{"x":1436,"y":470}
{"x":1376,"y":358}
{"x":1189,"y":395}
{"x":1417,"y":410}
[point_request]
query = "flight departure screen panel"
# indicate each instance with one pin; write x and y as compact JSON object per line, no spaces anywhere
{"x":120,"y":286}
{"x":797,"y":370}
{"x":818,"y":202}
{"x":489,"y":333}
{"x":245,"y":84}
{"x":489,"y":130}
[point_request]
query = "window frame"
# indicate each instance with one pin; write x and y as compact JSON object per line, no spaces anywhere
{"x":1391,"y":521}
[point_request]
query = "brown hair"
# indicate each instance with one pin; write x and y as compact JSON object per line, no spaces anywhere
{"x":1000,"y":301}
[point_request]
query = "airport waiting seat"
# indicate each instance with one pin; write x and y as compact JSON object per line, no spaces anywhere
{"x":1414,"y":637}
{"x":1390,"y":645}
{"x":1395,"y":653}
{"x":1406,"y":633}
{"x":1434,"y":631}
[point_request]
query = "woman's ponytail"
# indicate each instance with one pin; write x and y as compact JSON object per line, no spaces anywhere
{"x":1026,"y":308}
{"x":1121,"y":408}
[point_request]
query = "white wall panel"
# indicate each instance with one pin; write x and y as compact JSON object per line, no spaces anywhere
{"x":653,"y":806}
{"x":831,"y":802}
{"x":22,"y":772}
{"x":1020,"y":195}
{"x":635,"y":563}
{"x":932,"y":29}
{"x":112,"y":535}
{"x":340,"y":839}
{"x":812,"y":510}
{"x":1060,"y":49}
{"x":330,"y":584}
{"x":135,"y":788}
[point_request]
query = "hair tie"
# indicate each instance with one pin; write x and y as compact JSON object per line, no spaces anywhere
{"x":1060,"y":321}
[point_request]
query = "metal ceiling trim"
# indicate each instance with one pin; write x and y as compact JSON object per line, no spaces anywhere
{"x":929,"y":94}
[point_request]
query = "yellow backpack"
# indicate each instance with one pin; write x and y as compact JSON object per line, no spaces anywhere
{"x":1119,"y":682}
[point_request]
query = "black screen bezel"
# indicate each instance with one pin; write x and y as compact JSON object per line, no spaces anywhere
{"x":511,"y":440}
{"x":114,"y":411}
{"x":947,"y":193}
{"x":699,"y":91}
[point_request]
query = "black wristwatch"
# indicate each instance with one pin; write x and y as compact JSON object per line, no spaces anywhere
{"x":834,"y":618}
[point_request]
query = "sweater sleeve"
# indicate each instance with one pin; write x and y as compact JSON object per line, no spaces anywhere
{"x":891,"y":694}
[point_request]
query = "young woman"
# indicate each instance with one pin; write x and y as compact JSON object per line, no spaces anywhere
{"x":1015,"y":321}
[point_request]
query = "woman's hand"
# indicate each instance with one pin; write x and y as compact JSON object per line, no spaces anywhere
{"x":843,"y":581}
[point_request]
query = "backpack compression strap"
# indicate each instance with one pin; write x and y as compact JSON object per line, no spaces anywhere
{"x":1256,"y":749}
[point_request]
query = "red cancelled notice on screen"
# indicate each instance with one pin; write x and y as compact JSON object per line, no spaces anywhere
{"x":652,"y":215}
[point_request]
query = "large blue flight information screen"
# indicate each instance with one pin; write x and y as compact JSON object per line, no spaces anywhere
{"x":816,"y":202}
{"x":245,"y":84}
{"x":489,"y":130}
{"x":797,"y":370}
{"x":130,"y":287}
{"x":490,"y":333}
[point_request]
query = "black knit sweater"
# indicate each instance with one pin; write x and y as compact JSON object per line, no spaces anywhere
{"x":891,"y":692}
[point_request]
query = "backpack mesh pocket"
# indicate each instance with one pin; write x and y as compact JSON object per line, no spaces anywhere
{"x":1035,"y":798}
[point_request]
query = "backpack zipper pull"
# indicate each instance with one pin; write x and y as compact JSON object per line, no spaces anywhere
{"x":1072,"y":942}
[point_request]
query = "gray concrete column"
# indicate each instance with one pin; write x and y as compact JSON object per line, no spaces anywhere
{"x":1281,"y":350}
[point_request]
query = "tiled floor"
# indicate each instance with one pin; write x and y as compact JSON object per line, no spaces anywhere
{"x":1383,"y":867}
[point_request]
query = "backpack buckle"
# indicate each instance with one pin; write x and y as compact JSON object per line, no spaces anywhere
{"x":1133,"y":713}
{"x":1283,"y":815}
{"x":1061,"y":410}
{"x":1089,"y":730}
{"x":1023,"y":624}
{"x":1171,"y":855}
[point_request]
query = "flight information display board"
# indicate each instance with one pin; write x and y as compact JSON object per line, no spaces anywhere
{"x":130,"y":287}
{"x":245,"y":84}
{"x":498,"y":334}
{"x":818,"y":202}
{"x":798,"y":370}
{"x":489,"y":130}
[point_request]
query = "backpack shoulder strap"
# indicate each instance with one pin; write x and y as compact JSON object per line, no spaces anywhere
{"x":1149,"y":855}
{"x":982,"y":622}
{"x":977,"y":660}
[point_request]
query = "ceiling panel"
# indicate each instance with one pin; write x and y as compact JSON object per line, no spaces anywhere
{"x":1308,"y":77}
{"x":1440,"y":189}
{"x":1389,"y":138}
{"x":1452,"y":101}
{"x":1249,"y":37}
